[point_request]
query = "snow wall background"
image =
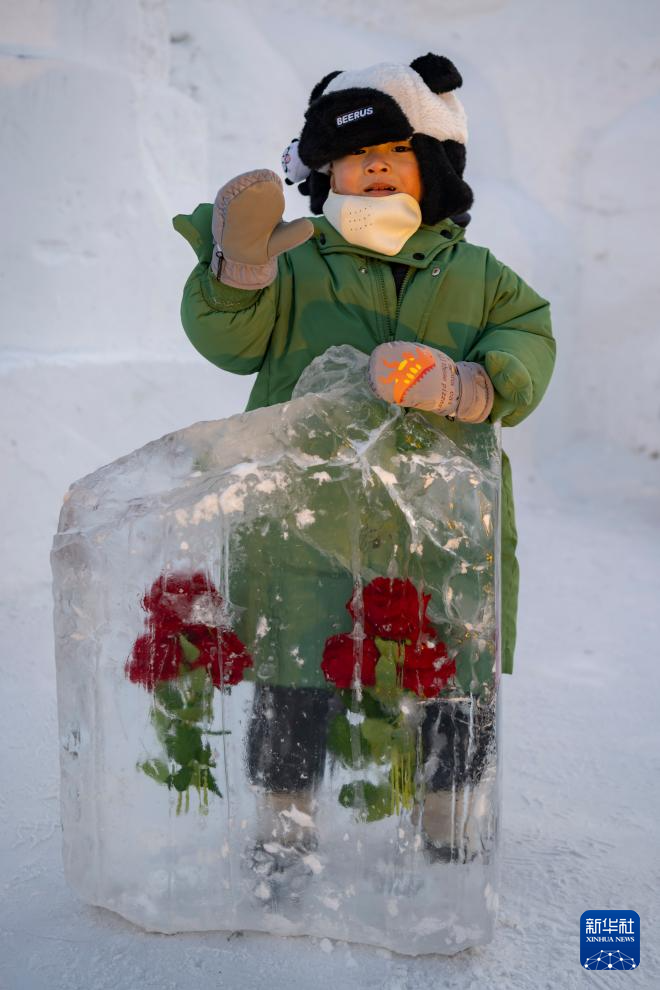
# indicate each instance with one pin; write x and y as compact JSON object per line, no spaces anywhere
{"x":114,"y":117}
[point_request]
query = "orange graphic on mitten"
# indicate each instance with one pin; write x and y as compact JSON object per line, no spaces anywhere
{"x":407,"y":372}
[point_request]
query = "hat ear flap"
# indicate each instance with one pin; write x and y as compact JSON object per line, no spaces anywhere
{"x":455,"y":152}
{"x":444,"y":193}
{"x":438,"y":72}
{"x":317,"y":187}
{"x":320,"y":86}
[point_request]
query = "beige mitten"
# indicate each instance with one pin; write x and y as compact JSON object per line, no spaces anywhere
{"x":422,"y":377}
{"x":249,"y":232}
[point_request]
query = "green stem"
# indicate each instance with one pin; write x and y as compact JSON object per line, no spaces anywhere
{"x":402,"y":780}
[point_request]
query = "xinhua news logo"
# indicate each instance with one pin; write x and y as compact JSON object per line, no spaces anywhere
{"x":609,"y":940}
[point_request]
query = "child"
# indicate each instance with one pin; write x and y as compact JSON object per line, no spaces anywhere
{"x":381,"y":155}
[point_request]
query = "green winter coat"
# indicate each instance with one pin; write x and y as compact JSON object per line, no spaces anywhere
{"x":456,"y":297}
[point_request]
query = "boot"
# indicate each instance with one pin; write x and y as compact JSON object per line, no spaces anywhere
{"x":456,"y":824}
{"x":281,"y":859}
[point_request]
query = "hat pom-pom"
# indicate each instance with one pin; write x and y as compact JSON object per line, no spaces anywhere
{"x":294,"y":169}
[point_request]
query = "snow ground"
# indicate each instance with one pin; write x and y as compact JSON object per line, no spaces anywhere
{"x":94,"y":364}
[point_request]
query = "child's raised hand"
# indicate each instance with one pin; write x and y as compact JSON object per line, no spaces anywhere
{"x":422,"y":377}
{"x":249,"y":232}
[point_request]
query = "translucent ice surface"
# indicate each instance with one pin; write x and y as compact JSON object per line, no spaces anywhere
{"x":277,"y":668}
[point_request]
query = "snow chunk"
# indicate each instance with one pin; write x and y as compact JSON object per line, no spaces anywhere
{"x":203,"y":511}
{"x":299,"y":817}
{"x":305,"y":518}
{"x":263,"y":627}
{"x":277,"y":480}
{"x":233,"y":500}
{"x":245,"y":468}
{"x":385,"y":476}
{"x":314,"y":863}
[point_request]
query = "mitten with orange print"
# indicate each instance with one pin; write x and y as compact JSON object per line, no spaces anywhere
{"x":422,"y":377}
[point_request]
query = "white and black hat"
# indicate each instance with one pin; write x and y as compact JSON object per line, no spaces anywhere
{"x":382,"y":103}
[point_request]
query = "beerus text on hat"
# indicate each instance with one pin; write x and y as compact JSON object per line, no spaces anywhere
{"x":382,"y":103}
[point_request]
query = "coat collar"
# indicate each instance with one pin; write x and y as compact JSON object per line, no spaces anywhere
{"x":418,"y":251}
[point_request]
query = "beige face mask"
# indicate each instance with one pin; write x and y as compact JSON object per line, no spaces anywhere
{"x":378,"y":223}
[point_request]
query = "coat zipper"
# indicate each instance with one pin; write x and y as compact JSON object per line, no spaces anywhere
{"x":406,"y":279}
{"x":383,"y":296}
{"x":391,"y":329}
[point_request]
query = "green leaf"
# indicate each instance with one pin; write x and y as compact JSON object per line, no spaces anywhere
{"x":340,"y":742}
{"x":182,"y":778}
{"x":389,"y":649}
{"x":162,"y":723}
{"x":157,"y":770}
{"x":185,"y":744}
{"x":404,"y":738}
{"x":371,"y":706}
{"x":378,"y":735}
{"x":346,"y":695}
{"x":387,"y":689}
{"x":211,"y":784}
{"x":190,"y":652}
{"x":370,"y":801}
{"x":193,"y":713}
{"x":385,"y":673}
{"x":205,"y":757}
{"x":200,"y":684}
{"x":169,"y":697}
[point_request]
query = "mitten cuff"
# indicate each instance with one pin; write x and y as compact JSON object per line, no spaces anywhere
{"x":476,"y":393}
{"x":225,"y":298}
{"x":240,"y":275}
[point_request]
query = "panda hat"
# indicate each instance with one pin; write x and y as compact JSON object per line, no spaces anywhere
{"x":382,"y":103}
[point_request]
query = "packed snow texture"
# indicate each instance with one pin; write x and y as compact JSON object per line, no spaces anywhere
{"x":115,"y":118}
{"x":376,"y":824}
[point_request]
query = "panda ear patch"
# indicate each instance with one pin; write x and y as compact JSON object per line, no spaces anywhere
{"x":320,"y":86}
{"x":439,"y":73}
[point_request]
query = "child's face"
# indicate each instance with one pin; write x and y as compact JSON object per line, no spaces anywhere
{"x":379,"y":170}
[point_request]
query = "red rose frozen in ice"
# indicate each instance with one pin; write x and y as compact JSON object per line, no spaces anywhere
{"x":184,"y":610}
{"x":155,"y":657}
{"x":177,"y":597}
{"x":225,"y":657}
{"x":393,"y":609}
{"x":427,"y":668}
{"x":160,"y":655}
{"x":340,"y":659}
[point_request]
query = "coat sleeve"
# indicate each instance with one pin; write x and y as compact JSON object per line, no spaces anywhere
{"x":515,"y":345}
{"x":229,"y":327}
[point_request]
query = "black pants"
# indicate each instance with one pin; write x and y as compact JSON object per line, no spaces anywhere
{"x":458,"y":739}
{"x":286,"y":737}
{"x":286,"y":743}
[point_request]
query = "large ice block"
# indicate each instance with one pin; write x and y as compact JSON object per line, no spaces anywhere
{"x":277,"y":670}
